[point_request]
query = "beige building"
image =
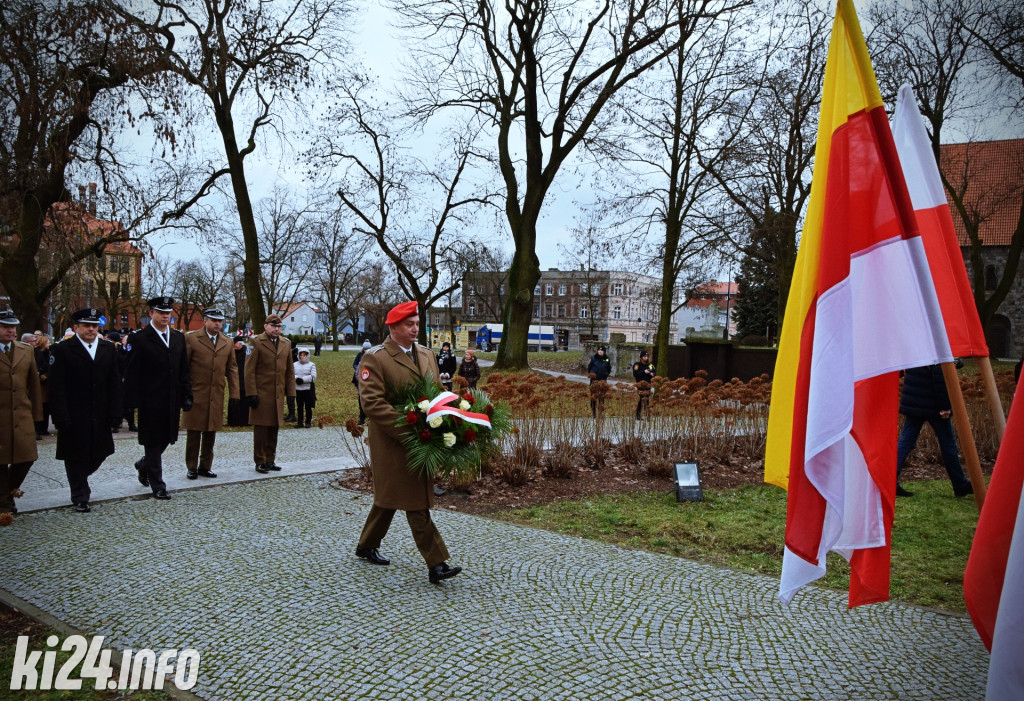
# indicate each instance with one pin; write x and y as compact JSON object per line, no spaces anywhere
{"x":582,"y":305}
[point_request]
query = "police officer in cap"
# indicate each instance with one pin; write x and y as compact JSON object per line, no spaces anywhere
{"x":21,"y":405}
{"x":643,"y":371}
{"x":157,"y":383}
{"x":211,"y":363}
{"x":85,"y":401}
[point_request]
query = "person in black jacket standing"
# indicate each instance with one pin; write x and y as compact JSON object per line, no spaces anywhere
{"x":157,"y":383}
{"x":446,"y":365}
{"x":600,"y":367}
{"x":643,"y":371}
{"x":85,"y":400}
{"x":924,"y":398}
{"x":238,"y":410}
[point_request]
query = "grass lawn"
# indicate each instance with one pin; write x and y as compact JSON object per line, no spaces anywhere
{"x":743,"y":528}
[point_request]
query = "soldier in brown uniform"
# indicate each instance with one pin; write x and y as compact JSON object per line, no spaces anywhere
{"x":269,"y":377}
{"x":21,"y":405}
{"x":211,"y":361}
{"x":395,"y":363}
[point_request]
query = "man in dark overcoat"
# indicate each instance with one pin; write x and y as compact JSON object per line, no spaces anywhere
{"x":157,"y":383}
{"x":21,"y":405}
{"x":269,"y":378}
{"x":211,"y":365}
{"x":85,"y":401}
{"x":394,"y":364}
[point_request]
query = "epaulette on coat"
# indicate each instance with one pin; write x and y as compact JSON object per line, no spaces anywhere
{"x":373,"y":349}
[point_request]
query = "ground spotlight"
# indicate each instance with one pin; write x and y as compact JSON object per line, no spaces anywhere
{"x":688,"y":482}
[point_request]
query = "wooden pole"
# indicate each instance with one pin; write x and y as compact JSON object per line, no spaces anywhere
{"x":995,"y":404}
{"x":963,"y":430}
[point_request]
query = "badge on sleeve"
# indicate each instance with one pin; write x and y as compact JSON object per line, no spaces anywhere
{"x":365,"y":375}
{"x":127,"y":346}
{"x":52,"y":359}
{"x":248,"y":350}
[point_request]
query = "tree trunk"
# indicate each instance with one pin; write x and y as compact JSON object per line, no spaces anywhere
{"x":18,"y":270}
{"x":668,"y":283}
{"x":250,"y":237}
{"x":522,"y":278}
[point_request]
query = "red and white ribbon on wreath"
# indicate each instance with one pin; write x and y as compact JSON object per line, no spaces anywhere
{"x":439,"y":407}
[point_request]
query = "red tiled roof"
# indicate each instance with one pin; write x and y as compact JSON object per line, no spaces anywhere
{"x":991,"y":176}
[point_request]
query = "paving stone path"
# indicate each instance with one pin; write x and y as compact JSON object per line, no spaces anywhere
{"x":260,"y":578}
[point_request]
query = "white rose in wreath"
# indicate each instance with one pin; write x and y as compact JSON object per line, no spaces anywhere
{"x":435,"y":422}
{"x":464,"y":405}
{"x":449,"y":440}
{"x":423,"y":406}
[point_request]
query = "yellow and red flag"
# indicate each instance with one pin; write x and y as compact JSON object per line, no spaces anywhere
{"x":861,"y":307}
{"x":935,"y":221}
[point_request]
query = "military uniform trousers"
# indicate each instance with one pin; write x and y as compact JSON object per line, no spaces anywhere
{"x":424,"y":532}
{"x":11,"y":477}
{"x":264,"y":444}
{"x":78,"y":473}
{"x":199,"y":449}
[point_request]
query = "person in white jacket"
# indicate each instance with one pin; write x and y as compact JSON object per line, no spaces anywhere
{"x":305,"y":389}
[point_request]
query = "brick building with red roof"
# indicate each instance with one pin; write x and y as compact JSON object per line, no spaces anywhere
{"x":987,"y":177}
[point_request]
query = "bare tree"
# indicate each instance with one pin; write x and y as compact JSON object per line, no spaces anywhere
{"x":666,"y":145}
{"x":537,"y":74}
{"x":338,"y":257}
{"x":198,"y":284}
{"x":771,"y":136}
{"x":380,"y":293}
{"x":380,"y":185}
{"x":285,"y":249}
{"x":247,"y":58}
{"x":69,"y":71}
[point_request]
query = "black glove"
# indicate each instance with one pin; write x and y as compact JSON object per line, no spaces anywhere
{"x":253,"y":401}
{"x":298,"y":380}
{"x":232,"y":404}
{"x":186,"y":405}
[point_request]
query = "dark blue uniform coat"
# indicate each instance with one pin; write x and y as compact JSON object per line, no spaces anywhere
{"x":157,"y":383}
{"x":85,"y":399}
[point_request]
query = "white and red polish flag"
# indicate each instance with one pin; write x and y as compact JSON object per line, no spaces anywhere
{"x":861,"y":307}
{"x":994,"y":580}
{"x":963,"y":327}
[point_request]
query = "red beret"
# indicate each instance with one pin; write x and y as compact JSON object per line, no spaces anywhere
{"x":402,"y":311}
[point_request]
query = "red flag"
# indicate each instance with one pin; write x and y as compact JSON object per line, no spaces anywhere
{"x":994,"y":580}
{"x":935,"y":222}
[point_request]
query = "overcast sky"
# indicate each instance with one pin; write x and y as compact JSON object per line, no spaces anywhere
{"x":377,"y":44}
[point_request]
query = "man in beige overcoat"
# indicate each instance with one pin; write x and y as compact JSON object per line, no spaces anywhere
{"x":394,"y":364}
{"x":21,"y":405}
{"x":269,"y":378}
{"x":211,"y":363}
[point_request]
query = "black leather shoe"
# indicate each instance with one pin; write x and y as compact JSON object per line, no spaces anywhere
{"x":192,"y":474}
{"x":82,"y":507}
{"x":262,"y":469}
{"x":207,"y":473}
{"x":442,"y":571}
{"x":162,"y":494}
{"x":901,"y":492}
{"x":273,"y":466}
{"x":133,"y":428}
{"x":371,"y":555}
{"x":116,"y":429}
{"x":141,"y":469}
{"x":964,"y":491}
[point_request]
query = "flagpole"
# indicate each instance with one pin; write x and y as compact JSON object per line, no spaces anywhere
{"x":963,"y":430}
{"x":995,"y":404}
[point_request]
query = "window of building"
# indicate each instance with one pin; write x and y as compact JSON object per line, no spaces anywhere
{"x":584,"y":313}
{"x":617,"y":313}
{"x":561,"y":289}
{"x":617,"y":289}
{"x":549,"y":289}
{"x":472,"y":289}
{"x":305,"y":318}
{"x":595,"y":289}
{"x":124,"y":318}
{"x":583,"y":288}
{"x":547,"y":310}
{"x":536,"y":290}
{"x":561,"y":310}
{"x":472,"y":310}
{"x":501,"y":289}
{"x":991,"y":282}
{"x":536,"y":310}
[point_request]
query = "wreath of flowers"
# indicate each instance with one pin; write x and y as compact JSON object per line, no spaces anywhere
{"x":448,"y":433}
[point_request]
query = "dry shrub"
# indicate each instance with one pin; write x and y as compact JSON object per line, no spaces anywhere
{"x":632,"y":449}
{"x":657,"y":466}
{"x":561,"y":461}
{"x":463,"y":482}
{"x":511,"y":471}
{"x":595,"y":453}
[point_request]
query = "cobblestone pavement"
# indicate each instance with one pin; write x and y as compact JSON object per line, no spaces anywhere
{"x":299,"y":452}
{"x":261,"y":579}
